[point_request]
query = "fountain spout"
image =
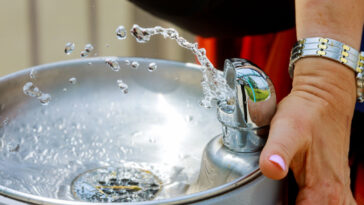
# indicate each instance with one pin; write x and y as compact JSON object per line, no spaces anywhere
{"x":245,"y":118}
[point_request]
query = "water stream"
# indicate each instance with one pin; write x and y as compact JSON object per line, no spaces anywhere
{"x":213,"y":83}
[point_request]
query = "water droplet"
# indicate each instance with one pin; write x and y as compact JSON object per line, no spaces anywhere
{"x":123,"y":86}
{"x":64,"y":89}
{"x":72,"y":80}
{"x":89,"y":47}
{"x":152,"y":140}
{"x":45,"y":98}
{"x":152,"y":67}
{"x":32,"y":73}
{"x":6,"y":121}
{"x":134,"y":64}
{"x":31,"y":90}
{"x":170,"y":33}
{"x":189,"y":118}
{"x":70,"y":46}
{"x":182,"y":156}
{"x":127,"y":62}
{"x":141,"y":35}
{"x":205,"y":103}
{"x":227,"y":106}
{"x":84,"y":54}
{"x":2,"y":130}
{"x":113,"y":63}
{"x":121,"y":32}
{"x":13,"y":146}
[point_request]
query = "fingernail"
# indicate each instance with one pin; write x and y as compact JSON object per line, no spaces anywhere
{"x":276,"y":159}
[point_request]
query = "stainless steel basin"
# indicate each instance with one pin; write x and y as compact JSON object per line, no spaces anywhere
{"x":158,"y":127}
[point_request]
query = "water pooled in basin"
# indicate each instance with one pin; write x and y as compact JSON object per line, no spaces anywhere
{"x":13,"y":146}
{"x":213,"y":83}
{"x":116,"y":184}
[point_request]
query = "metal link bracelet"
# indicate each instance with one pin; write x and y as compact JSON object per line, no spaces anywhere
{"x":333,"y":50}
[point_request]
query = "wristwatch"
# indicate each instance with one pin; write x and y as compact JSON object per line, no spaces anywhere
{"x":333,"y":50}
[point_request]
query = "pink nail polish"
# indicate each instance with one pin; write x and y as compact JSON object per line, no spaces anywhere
{"x":276,"y":159}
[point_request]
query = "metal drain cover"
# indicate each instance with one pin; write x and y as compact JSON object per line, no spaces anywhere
{"x":116,"y":184}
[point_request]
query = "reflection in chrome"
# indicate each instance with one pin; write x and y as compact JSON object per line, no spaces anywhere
{"x":246,"y":118}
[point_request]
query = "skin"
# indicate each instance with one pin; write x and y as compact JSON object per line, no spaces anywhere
{"x":311,"y":128}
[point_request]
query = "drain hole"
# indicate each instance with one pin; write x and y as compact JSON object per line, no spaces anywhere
{"x":116,"y":184}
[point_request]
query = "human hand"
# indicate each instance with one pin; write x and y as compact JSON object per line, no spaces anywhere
{"x":310,"y":133}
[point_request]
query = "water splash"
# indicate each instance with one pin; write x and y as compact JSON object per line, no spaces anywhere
{"x":45,"y":98}
{"x":87,"y":50}
{"x":213,"y":83}
{"x":113,"y":64}
{"x":32,"y":74}
{"x":70,"y":46}
{"x":13,"y":146}
{"x":31,"y":90}
{"x":152,"y":67}
{"x":84,"y":54}
{"x":123,"y":86}
{"x":89,"y":47}
{"x":189,"y":118}
{"x":121,"y":32}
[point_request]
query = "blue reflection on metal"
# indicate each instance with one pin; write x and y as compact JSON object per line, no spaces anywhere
{"x":251,"y":86}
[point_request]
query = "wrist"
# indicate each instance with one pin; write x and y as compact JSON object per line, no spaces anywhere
{"x":325,"y":80}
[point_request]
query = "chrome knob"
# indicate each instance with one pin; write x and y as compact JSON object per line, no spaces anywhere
{"x":246,"y":117}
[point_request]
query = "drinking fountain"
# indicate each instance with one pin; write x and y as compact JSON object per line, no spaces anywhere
{"x":245,"y":123}
{"x":154,"y":144}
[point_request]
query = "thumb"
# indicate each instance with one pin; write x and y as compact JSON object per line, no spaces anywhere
{"x":284,"y":140}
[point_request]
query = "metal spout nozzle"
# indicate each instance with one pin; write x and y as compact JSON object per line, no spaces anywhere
{"x":246,"y":117}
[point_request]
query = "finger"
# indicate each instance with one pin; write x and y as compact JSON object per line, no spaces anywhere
{"x":284,"y":141}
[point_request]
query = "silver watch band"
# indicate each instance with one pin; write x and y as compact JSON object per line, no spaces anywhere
{"x":333,"y":50}
{"x":360,"y":78}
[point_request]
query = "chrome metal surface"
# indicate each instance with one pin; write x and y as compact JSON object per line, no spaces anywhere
{"x":246,"y":118}
{"x":220,"y":165}
{"x":159,"y":124}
